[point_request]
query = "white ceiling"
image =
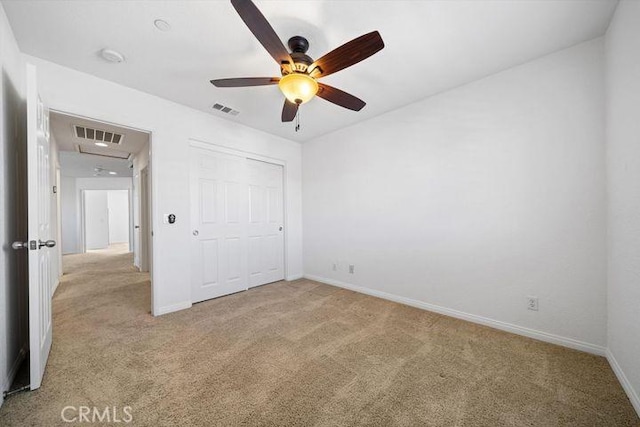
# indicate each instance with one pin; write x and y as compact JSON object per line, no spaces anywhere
{"x":74,"y":163}
{"x":431,"y":46}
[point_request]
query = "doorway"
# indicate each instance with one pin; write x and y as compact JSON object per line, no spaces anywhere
{"x":106,"y":219}
{"x":101,"y":209}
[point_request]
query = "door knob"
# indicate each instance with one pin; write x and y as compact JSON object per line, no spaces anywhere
{"x":195,"y":232}
{"x":280,"y":229}
{"x":20,"y":245}
{"x":48,"y":243}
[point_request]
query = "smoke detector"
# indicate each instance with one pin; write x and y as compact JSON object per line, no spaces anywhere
{"x":162,"y":25}
{"x":111,"y":55}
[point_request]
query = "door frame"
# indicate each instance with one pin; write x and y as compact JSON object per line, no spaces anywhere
{"x":196,"y":143}
{"x":150,"y":132}
{"x":145,"y":240}
{"x":59,"y":228}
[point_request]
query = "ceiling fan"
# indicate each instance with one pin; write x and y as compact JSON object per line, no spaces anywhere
{"x":300,"y":73}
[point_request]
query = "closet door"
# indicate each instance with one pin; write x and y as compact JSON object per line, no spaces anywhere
{"x":265,"y":228}
{"x":219,"y":217}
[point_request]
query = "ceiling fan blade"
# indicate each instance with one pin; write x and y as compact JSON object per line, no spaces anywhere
{"x":348,"y":54}
{"x":339,"y":97}
{"x":289,"y":111}
{"x":262,"y":30}
{"x":245,"y":81}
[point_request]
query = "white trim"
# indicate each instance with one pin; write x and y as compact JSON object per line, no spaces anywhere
{"x":294,"y":277}
{"x":173,"y":307}
{"x":626,"y":384}
{"x":55,"y":287}
{"x":497,"y":324}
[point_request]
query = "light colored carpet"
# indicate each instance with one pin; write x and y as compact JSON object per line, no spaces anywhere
{"x":300,"y":353}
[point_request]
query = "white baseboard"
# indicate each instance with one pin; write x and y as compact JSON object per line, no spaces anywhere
{"x":173,"y":307}
{"x":497,"y":324}
{"x":295,"y":277}
{"x":55,"y":286}
{"x":626,"y":384}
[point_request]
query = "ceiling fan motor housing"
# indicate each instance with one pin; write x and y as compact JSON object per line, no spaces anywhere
{"x":299,"y":46}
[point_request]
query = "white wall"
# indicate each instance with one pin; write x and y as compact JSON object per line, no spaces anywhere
{"x":71,"y":209}
{"x":118,"y":205}
{"x":69,"y":215}
{"x":13,"y":278}
{"x":473,"y":199}
{"x":623,"y":173}
{"x":78,"y":93}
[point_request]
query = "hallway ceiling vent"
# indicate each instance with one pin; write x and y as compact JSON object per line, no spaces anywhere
{"x":226,"y":110}
{"x":97,"y":135}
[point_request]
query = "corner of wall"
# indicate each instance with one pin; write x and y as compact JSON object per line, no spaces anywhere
{"x":624,"y":381}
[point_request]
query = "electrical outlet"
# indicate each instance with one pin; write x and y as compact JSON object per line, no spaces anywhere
{"x":351,"y":268}
{"x":532,"y":303}
{"x":335,"y":266}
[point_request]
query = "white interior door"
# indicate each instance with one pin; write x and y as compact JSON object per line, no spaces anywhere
{"x":219,"y":211}
{"x":40,"y":254}
{"x":96,"y":219}
{"x":118,"y":206}
{"x":266,"y":212}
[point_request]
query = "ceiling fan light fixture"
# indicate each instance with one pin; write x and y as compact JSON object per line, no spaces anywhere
{"x":298,"y":88}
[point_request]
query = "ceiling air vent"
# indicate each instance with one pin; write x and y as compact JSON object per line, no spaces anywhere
{"x":98,"y":135}
{"x":224,"y":109}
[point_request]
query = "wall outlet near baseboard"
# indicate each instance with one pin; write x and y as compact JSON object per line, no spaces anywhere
{"x":351,"y":268}
{"x":532,"y":303}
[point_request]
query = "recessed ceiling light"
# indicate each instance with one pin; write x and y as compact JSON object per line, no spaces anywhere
{"x":111,"y":55}
{"x":101,"y":144}
{"x":113,"y":173}
{"x":162,"y":25}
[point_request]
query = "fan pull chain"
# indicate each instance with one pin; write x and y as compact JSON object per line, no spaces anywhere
{"x":298,"y":120}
